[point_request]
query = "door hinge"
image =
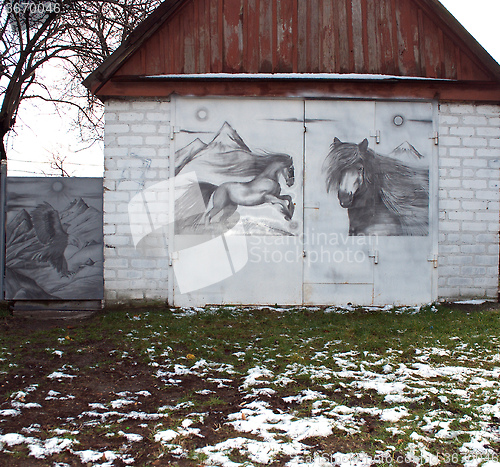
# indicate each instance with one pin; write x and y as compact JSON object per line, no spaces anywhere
{"x":434,"y":260}
{"x":174,"y":256}
{"x":435,"y":137}
{"x":373,"y":254}
{"x":376,"y":134}
{"x":173,"y":131}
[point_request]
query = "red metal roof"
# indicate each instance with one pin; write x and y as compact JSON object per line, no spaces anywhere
{"x":406,"y":38}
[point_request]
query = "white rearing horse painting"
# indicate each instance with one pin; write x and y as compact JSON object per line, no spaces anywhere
{"x":263,"y":188}
{"x":253,"y":179}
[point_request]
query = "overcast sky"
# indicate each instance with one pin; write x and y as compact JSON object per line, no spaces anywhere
{"x":480,"y":18}
{"x":40,"y":132}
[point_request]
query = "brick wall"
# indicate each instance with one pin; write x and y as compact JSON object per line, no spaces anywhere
{"x":137,"y":147}
{"x":136,"y":159}
{"x":469,"y":159}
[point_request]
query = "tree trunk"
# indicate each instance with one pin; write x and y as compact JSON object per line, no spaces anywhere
{"x":3,"y":151}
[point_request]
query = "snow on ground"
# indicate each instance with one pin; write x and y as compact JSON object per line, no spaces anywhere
{"x":390,"y":390}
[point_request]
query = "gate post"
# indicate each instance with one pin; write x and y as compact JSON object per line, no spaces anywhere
{"x":3,"y":200}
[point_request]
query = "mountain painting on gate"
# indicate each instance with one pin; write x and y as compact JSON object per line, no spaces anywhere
{"x":224,"y":185}
{"x":54,"y":239}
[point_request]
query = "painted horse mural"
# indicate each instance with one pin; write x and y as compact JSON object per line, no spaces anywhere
{"x":263,"y":188}
{"x":382,"y":196}
{"x":229,"y":175}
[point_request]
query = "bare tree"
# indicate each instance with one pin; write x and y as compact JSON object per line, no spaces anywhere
{"x":58,"y":156}
{"x":80,"y":33}
{"x":57,"y":164}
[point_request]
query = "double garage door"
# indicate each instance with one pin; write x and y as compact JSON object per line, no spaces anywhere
{"x":296,"y":201}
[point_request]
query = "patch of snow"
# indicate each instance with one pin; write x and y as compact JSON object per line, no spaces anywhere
{"x":256,"y":392}
{"x":221,"y":382}
{"x":352,"y":459}
{"x":387,"y":368}
{"x":37,"y":448}
{"x":257,"y":418}
{"x":12,"y":439}
{"x":337,"y":310}
{"x":252,"y":379}
{"x":423,"y":456}
{"x":205,"y":392}
{"x":29,"y":405}
{"x":116,"y":404}
{"x":306,"y":395}
{"x":394,"y":414}
{"x":382,"y":386}
{"x":88,"y":456}
{"x":470,"y":302}
{"x":35,"y":428}
{"x":398,"y":398}
{"x":96,"y":406}
{"x":59,"y":375}
{"x":165,"y":436}
{"x":9,"y":413}
{"x":41,"y":449}
{"x":261,"y":452}
{"x":134,"y":415}
{"x":131,"y":437}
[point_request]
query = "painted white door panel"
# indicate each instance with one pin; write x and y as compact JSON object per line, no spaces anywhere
{"x":235,"y":238}
{"x":337,"y":267}
{"x":405,"y":275}
{"x":367,"y":186}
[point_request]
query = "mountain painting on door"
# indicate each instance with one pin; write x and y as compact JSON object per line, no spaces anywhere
{"x":54,"y":240}
{"x":224,"y":185}
{"x":383,"y":195}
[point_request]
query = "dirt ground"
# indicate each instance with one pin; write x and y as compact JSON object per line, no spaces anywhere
{"x":100,"y":386}
{"x":67,"y":404}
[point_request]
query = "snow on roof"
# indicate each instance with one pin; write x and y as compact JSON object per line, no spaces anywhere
{"x":308,"y":76}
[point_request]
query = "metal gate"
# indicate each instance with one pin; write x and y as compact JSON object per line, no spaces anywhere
{"x":238,"y":201}
{"x":372,"y":215}
{"x":297,"y":201}
{"x":54,"y":240}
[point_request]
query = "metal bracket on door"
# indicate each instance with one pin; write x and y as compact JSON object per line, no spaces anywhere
{"x":373,"y":254}
{"x":433,"y":260}
{"x":376,"y":134}
{"x":174,"y":256}
{"x":173,"y":131}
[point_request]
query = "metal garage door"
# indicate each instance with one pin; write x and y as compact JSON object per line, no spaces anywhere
{"x":238,"y":201}
{"x":303,"y":202}
{"x":373,"y":221}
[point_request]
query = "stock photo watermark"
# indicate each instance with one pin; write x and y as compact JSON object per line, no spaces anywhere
{"x":311,"y":247}
{"x":207,"y":260}
{"x":210,"y":256}
{"x":397,"y":458}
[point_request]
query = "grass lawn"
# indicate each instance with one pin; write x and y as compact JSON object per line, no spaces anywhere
{"x":232,"y":386}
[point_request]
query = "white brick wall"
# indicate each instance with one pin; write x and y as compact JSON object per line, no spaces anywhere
{"x":136,"y":158}
{"x":469,"y":159}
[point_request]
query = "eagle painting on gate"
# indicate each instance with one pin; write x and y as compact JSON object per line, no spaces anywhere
{"x":54,"y":241}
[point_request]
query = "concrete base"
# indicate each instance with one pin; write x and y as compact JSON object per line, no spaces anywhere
{"x":73,"y":309}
